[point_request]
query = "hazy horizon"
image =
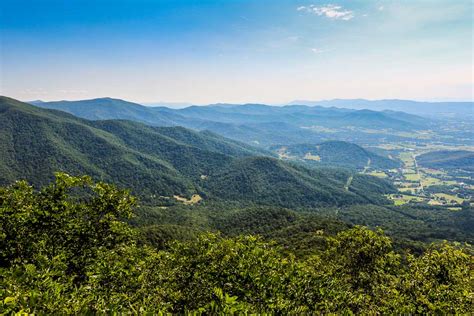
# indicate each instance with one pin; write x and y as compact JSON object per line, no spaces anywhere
{"x":204,"y":52}
{"x":177,"y":104}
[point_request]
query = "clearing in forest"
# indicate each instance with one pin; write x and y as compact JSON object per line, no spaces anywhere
{"x":193,"y":200}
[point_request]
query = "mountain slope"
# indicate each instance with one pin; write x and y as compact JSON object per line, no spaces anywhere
{"x":36,"y":143}
{"x":273,"y":182}
{"x":336,"y":153}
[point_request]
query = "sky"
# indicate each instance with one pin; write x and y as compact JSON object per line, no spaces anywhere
{"x":236,"y":51}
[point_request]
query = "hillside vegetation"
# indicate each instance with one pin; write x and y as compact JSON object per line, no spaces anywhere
{"x":275,"y":182}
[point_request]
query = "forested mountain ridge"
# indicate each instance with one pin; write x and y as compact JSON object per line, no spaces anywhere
{"x":163,"y":161}
{"x":101,"y":147}
{"x":109,"y":109}
{"x":448,"y":159}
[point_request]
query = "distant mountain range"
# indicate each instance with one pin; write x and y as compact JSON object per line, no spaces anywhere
{"x":160,"y":162}
{"x":256,"y":124}
{"x":408,"y":106}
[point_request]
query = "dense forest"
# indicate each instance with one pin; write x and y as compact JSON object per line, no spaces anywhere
{"x":70,"y":248}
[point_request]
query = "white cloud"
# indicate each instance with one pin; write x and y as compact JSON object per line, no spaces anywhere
{"x":331,"y":11}
{"x":381,"y":8}
{"x":38,"y":91}
{"x":73,"y":91}
{"x":317,"y":50}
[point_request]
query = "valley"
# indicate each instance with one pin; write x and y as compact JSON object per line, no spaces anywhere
{"x":296,"y":189}
{"x":418,"y":183}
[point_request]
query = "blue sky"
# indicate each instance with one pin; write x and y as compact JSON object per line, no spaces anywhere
{"x":236,"y":51}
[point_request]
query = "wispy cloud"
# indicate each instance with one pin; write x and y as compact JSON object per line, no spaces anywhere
{"x":294,"y":38}
{"x":331,"y":11}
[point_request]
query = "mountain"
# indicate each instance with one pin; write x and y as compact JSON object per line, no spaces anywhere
{"x":258,"y":124}
{"x":160,"y":162}
{"x":108,"y":108}
{"x":172,"y":105}
{"x":408,"y":106}
{"x":448,"y":159}
{"x":336,"y":153}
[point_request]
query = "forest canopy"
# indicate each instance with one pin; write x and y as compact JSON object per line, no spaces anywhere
{"x":69,"y":248}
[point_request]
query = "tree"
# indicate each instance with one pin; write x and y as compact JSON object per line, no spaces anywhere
{"x":72,"y":218}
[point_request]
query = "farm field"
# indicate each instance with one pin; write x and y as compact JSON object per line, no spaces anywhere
{"x":418,"y":184}
{"x":401,"y":199}
{"x":379,"y":174}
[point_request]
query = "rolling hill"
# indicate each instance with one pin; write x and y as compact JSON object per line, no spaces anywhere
{"x":304,"y":116}
{"x":111,"y":109}
{"x":163,"y":161}
{"x":257,"y":179}
{"x":448,"y":159}
{"x":336,"y":153}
